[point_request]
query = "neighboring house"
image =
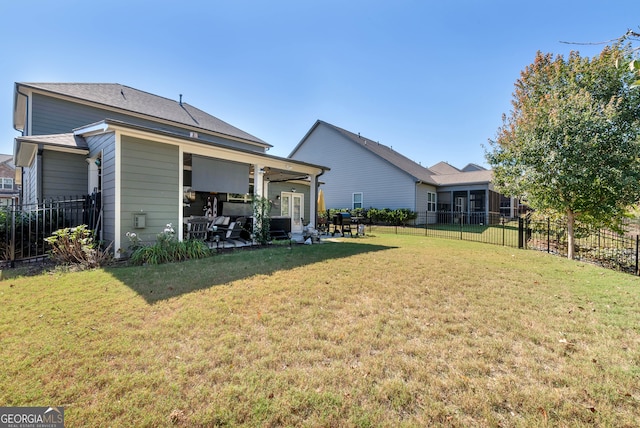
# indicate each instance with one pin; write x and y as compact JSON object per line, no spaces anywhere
{"x":9,"y":186}
{"x":152,"y":160}
{"x":367,"y":174}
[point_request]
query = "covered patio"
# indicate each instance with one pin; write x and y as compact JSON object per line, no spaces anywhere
{"x":218,"y":194}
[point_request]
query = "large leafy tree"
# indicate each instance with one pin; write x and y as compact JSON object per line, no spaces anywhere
{"x":570,"y":146}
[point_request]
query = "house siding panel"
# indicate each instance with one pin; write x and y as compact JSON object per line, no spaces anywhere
{"x":65,"y":174}
{"x":421,"y":199}
{"x":275,"y":189}
{"x":355,"y":169}
{"x":29,"y":183}
{"x":55,"y":116}
{"x":105,"y":143}
{"x":150,"y":184}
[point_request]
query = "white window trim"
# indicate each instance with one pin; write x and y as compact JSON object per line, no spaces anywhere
{"x":432,"y":201}
{"x":353,"y":200}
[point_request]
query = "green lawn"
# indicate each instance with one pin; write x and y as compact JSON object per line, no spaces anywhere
{"x":378,"y":331}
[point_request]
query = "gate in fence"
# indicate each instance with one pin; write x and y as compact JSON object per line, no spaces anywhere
{"x":24,"y":227}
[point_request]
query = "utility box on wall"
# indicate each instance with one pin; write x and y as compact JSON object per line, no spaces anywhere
{"x":139,"y":220}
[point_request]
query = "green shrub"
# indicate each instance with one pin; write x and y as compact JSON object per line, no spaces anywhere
{"x":399,"y":217}
{"x":168,"y":249}
{"x":77,"y":245}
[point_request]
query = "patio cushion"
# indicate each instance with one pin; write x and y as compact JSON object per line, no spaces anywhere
{"x":221,"y":221}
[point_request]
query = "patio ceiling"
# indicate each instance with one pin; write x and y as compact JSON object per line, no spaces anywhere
{"x":270,"y":174}
{"x":281,"y":175}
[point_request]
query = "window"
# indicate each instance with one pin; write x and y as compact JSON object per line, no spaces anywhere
{"x":431,"y":202}
{"x":357,"y":200}
{"x":7,"y":183}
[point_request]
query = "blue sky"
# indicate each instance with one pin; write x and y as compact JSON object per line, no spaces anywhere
{"x":429,"y":78}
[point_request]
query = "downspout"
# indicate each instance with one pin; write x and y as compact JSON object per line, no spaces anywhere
{"x":39,"y":182}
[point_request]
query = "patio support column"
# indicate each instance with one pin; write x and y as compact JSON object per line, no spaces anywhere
{"x":258,"y":180}
{"x":487,"y":207}
{"x":259,"y":190}
{"x":452,"y":207}
{"x":468,"y":207}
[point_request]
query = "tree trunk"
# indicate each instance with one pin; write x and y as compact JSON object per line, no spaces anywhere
{"x":571,"y":218}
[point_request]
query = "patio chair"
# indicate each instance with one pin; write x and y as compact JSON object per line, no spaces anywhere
{"x":197,"y":228}
{"x":234,"y":233}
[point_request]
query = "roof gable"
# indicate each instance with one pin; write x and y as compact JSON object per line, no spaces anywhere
{"x":444,"y":168}
{"x":473,"y":167}
{"x":400,"y":161}
{"x":131,"y":100}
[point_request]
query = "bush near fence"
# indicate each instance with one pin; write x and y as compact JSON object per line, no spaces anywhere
{"x":386,"y":216}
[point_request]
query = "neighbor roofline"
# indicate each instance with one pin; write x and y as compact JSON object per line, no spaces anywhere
{"x":338,"y":129}
{"x":315,"y":125}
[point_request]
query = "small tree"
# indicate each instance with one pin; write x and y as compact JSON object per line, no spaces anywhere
{"x":571,"y":143}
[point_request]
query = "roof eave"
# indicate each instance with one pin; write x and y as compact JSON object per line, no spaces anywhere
{"x":109,"y":125}
{"x":35,"y":88}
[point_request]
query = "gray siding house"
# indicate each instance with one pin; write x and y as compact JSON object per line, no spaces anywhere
{"x":9,"y":186}
{"x":152,"y":160}
{"x":367,"y":174}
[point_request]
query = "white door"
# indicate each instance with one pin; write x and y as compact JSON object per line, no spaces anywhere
{"x":293,"y":206}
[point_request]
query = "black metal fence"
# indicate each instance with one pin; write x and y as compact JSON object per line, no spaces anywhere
{"x":24,"y":227}
{"x":614,"y":250}
{"x":469,"y":226}
{"x":608,"y":248}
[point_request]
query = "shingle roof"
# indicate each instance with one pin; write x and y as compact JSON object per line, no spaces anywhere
{"x":412,"y":168}
{"x":471,"y":177}
{"x":440,"y":174}
{"x":62,"y":140}
{"x":129,"y":99}
{"x":6,"y":158}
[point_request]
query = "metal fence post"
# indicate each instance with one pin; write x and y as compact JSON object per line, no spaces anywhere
{"x":13,"y":235}
{"x":520,"y":232}
{"x":426,"y":223}
{"x":548,"y":235}
{"x":637,"y":242}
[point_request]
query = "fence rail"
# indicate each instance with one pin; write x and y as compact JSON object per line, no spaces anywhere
{"x":613,"y":250}
{"x":24,"y":227}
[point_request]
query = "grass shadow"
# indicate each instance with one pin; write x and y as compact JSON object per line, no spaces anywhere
{"x":160,"y":282}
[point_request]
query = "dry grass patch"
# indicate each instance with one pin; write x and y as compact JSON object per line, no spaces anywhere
{"x":380,"y":331}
